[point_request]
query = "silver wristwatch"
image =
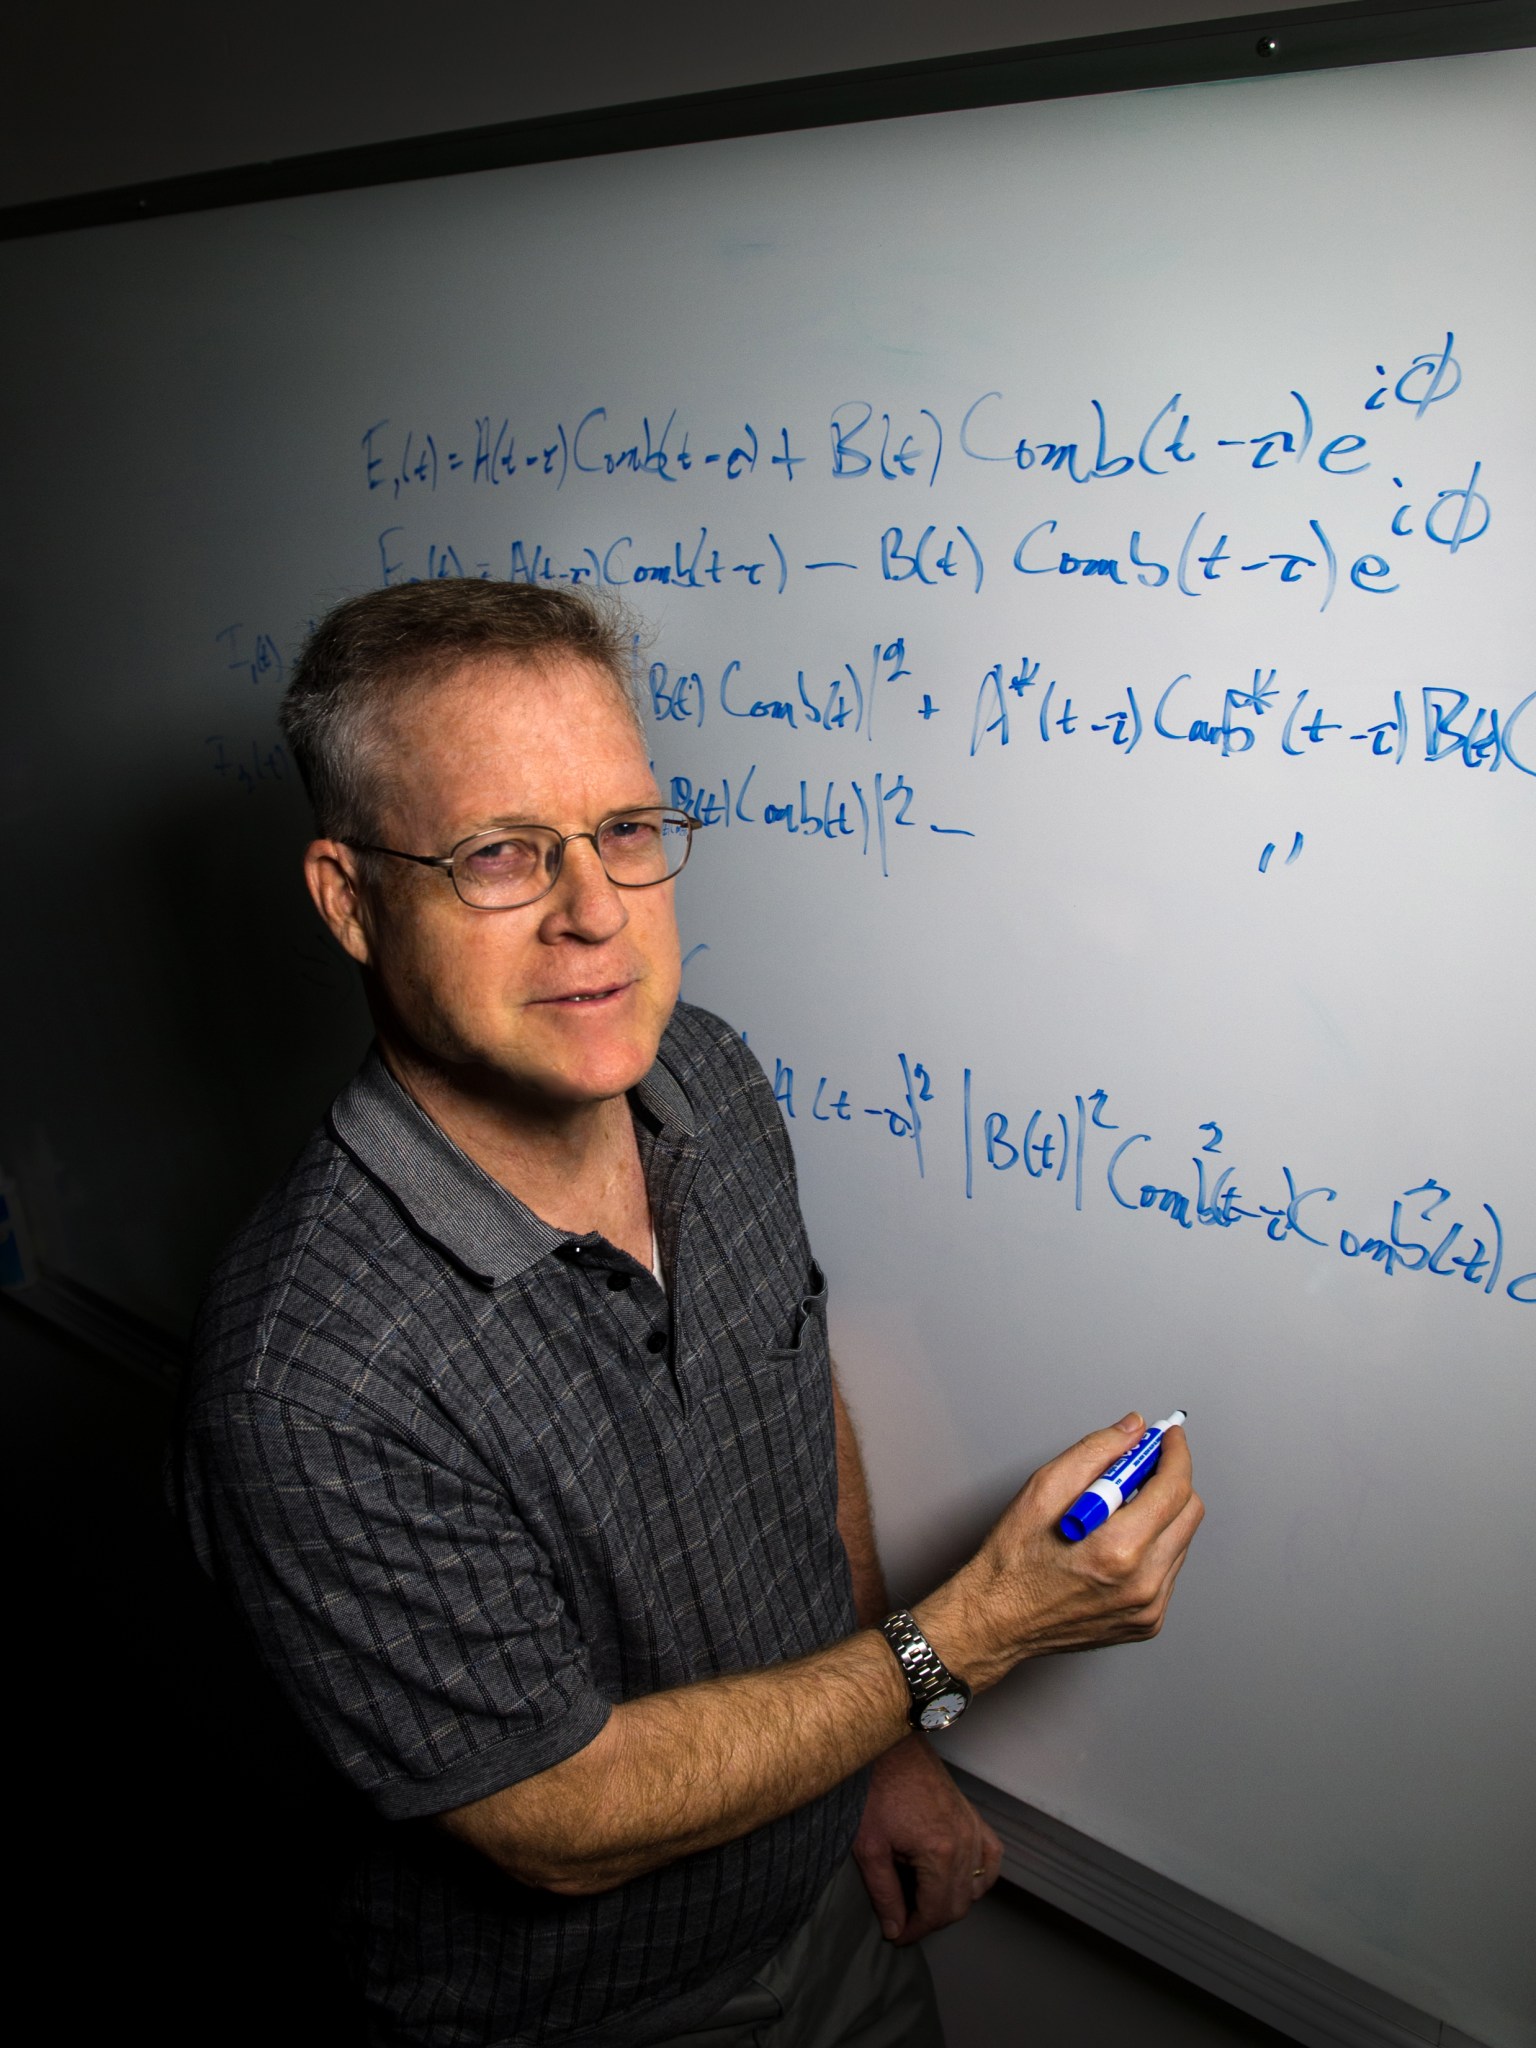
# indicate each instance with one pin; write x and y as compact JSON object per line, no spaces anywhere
{"x":939,"y":1698}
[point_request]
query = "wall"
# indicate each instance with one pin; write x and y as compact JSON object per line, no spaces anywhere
{"x":102,"y":95}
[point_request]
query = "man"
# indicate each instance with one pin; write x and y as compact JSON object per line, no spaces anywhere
{"x":514,"y":1434}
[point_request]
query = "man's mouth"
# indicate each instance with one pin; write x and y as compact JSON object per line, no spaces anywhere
{"x":590,"y":995}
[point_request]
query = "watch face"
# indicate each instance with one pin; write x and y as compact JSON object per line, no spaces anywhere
{"x":943,"y":1709}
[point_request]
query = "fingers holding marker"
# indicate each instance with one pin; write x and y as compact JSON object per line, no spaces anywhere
{"x":1127,"y":1568}
{"x":1123,"y":1478}
{"x":1033,"y":1589}
{"x":1145,"y":1546}
{"x":1166,"y":1512}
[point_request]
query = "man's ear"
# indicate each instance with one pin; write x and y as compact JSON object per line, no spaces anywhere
{"x":330,"y":870}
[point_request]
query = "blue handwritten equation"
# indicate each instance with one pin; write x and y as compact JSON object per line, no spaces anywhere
{"x":1191,"y":559}
{"x":701,"y":560}
{"x":1077,"y":1150}
{"x":861,"y":442}
{"x":241,"y":758}
{"x":1322,"y":550}
{"x":1189,"y":562}
{"x":1435,"y":723}
{"x":246,"y":761}
{"x":867,"y":815}
{"x":253,"y":655}
{"x":828,"y":697}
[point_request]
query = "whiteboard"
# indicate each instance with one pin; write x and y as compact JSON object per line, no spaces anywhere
{"x":1089,"y":551}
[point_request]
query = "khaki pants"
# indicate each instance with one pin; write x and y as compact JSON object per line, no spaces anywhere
{"x":836,"y":1984}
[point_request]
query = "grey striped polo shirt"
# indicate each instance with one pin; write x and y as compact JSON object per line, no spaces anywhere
{"x":471,"y":1479}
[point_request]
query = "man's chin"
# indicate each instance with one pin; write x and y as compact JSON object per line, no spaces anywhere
{"x":597,"y":1067}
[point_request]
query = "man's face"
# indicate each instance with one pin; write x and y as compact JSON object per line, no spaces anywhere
{"x":556,"y":1004}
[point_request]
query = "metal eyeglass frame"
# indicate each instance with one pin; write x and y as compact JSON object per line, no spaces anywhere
{"x":447,"y":862}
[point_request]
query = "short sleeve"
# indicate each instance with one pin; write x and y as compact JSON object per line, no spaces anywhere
{"x":406,"y":1610}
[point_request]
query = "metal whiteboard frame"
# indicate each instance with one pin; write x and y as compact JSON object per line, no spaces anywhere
{"x":1237,"y":46}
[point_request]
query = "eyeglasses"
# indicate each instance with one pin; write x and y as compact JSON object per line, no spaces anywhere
{"x":514,"y":865}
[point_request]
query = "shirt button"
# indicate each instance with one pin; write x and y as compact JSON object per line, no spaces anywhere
{"x":618,"y":1282}
{"x":656,"y":1341}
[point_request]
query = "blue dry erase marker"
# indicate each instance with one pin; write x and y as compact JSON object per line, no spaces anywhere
{"x":1119,"y":1482}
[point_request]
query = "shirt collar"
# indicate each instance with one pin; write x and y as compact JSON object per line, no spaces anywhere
{"x":445,"y":1195}
{"x":662,"y":1095}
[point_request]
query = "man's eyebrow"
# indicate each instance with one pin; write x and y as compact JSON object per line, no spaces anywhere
{"x":507,"y":822}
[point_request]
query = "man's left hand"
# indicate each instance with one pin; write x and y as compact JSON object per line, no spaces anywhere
{"x":916,"y":1822}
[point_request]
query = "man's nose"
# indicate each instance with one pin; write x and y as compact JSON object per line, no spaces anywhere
{"x":584,"y":894}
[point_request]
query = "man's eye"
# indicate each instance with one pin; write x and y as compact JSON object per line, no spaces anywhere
{"x":628,"y":834}
{"x":503,"y":857}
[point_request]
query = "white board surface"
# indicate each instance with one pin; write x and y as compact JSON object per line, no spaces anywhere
{"x":1090,"y":546}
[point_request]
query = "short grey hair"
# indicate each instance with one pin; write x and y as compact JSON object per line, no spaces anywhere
{"x":373,"y":652}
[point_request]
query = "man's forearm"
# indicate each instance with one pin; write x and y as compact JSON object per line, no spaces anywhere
{"x":681,"y":1771}
{"x":686,"y":1770}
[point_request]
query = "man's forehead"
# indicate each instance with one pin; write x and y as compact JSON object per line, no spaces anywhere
{"x":488,"y":735}
{"x":496,"y":672}
{"x":493,"y":693}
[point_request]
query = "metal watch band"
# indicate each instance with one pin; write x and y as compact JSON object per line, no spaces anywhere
{"x":926,"y":1673}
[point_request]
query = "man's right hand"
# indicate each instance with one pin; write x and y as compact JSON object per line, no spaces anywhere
{"x":1028,"y":1592}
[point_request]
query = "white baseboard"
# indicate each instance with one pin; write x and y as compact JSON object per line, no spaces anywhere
{"x":1298,"y":1994}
